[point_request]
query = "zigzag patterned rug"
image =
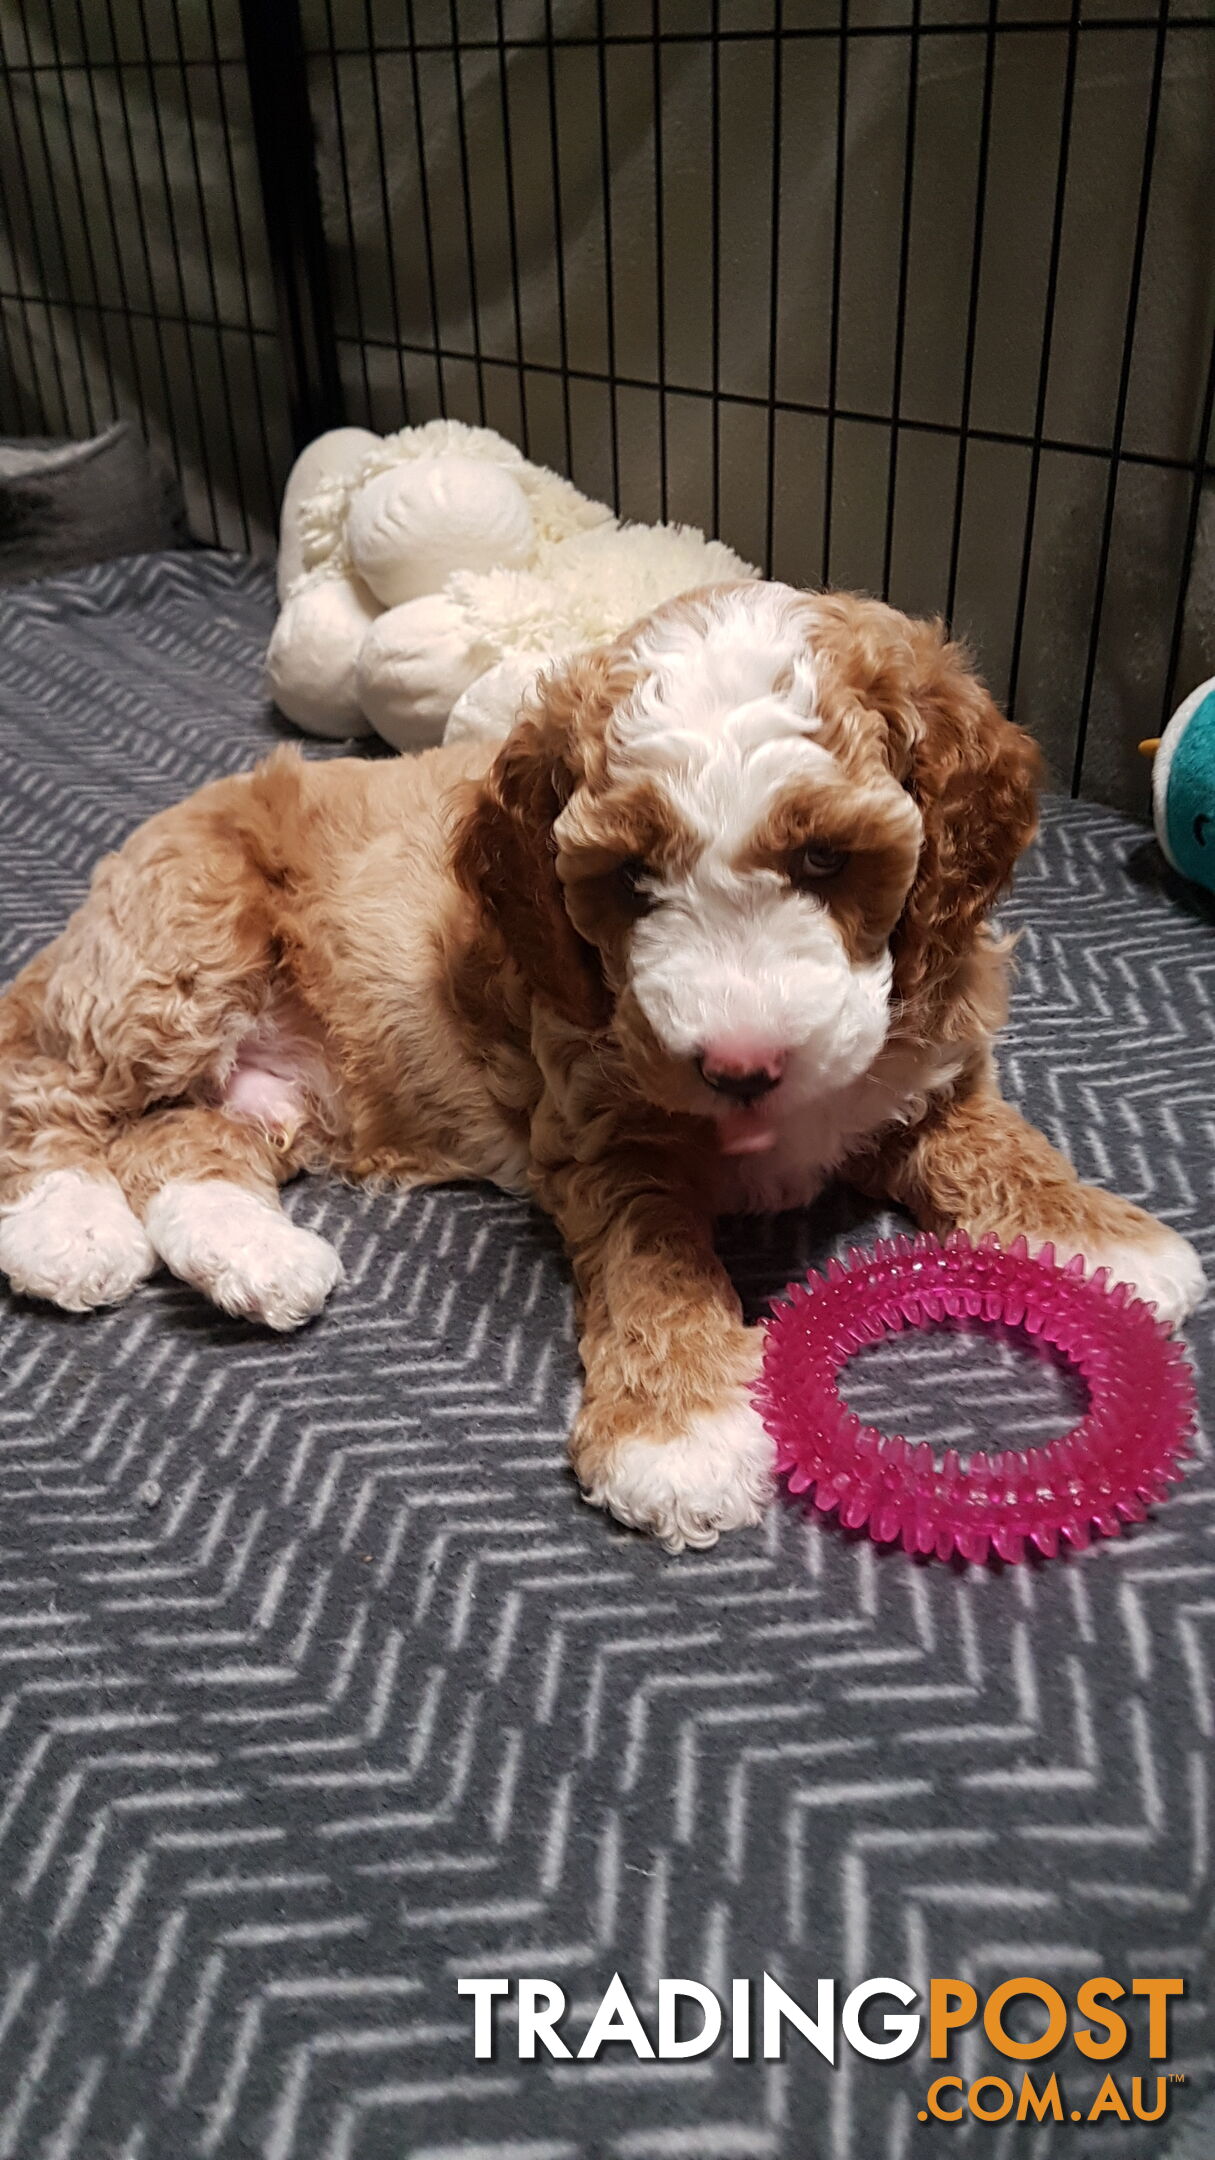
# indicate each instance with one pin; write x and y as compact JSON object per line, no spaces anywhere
{"x":369,"y":1700}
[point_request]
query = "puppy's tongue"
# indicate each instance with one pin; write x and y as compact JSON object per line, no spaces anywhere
{"x":744,"y":1132}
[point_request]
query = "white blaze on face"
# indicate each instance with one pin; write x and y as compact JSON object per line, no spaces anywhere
{"x":727,"y":956}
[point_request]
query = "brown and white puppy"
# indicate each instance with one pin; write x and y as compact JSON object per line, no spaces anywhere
{"x":709,"y":929}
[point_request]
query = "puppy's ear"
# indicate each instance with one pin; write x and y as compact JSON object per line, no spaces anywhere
{"x":506,"y":859}
{"x":975,"y":779}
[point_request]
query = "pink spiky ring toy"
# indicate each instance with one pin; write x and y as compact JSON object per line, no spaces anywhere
{"x":1115,"y":1463}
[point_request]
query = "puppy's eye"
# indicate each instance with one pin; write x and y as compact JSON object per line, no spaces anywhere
{"x":813,"y":864}
{"x":630,"y":877}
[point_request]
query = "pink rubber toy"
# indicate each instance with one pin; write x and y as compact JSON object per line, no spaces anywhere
{"x":1120,"y":1459}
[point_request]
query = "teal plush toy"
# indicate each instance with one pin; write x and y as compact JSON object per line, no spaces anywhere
{"x":1183,"y":786}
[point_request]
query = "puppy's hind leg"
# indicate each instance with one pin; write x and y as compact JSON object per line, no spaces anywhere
{"x":72,"y":1239}
{"x":156,"y":979}
{"x":66,"y":1231}
{"x":206,"y":1185}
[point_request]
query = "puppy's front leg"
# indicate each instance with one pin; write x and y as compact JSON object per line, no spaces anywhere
{"x":974,"y":1164}
{"x":667,"y":1437}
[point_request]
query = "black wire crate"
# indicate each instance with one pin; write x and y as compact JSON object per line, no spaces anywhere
{"x":914,"y":296}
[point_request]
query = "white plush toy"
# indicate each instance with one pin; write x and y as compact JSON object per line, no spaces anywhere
{"x":426,"y":577}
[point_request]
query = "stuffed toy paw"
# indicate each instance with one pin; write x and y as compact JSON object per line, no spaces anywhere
{"x":426,"y":577}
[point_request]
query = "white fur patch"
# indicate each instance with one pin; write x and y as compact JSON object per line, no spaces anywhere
{"x":241,"y":1251}
{"x":712,"y":667}
{"x":723,"y":718}
{"x":1161,"y":1267}
{"x":73,"y":1239}
{"x":725,"y":955}
{"x":716,"y":1476}
{"x":707,"y":720}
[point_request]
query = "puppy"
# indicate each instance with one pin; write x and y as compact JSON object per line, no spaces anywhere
{"x":709,"y":929}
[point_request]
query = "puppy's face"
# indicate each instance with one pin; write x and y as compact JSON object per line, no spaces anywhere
{"x":739,"y":858}
{"x":749,"y":835}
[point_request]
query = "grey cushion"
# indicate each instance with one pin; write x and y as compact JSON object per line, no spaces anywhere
{"x":64,"y":504}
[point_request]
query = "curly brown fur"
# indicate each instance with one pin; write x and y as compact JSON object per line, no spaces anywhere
{"x":710,"y":928}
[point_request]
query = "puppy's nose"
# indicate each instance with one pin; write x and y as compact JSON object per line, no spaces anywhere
{"x":742,"y":1075}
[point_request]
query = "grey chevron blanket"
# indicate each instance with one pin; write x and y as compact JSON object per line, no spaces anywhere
{"x":320,"y":1690}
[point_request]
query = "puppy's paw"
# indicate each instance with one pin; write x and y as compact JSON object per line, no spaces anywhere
{"x":716,"y":1475}
{"x":72,"y":1239}
{"x":241,"y":1251}
{"x":1158,"y":1264}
